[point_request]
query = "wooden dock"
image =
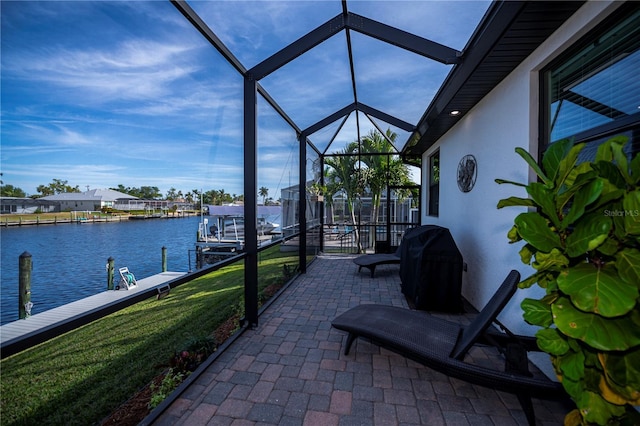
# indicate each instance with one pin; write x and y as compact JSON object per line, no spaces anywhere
{"x":18,"y":335}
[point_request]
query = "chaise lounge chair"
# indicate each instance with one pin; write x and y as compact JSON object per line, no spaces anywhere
{"x":370,"y":261}
{"x":442,"y":345}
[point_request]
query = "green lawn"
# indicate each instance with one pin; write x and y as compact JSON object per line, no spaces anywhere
{"x":82,"y":376}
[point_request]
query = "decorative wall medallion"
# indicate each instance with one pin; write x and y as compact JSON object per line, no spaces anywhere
{"x":467,"y":173}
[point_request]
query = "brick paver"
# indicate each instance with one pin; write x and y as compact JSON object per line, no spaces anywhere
{"x":290,"y":370}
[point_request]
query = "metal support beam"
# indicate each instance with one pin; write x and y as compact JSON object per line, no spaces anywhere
{"x":335,"y":134}
{"x":195,"y":20}
{"x":330,"y":119}
{"x":403,"y":39}
{"x":250,"y":202}
{"x":360,"y":107}
{"x":302,"y":252}
{"x":313,"y":147}
{"x":382,"y":132}
{"x":386,"y":117}
{"x":278,"y":109}
{"x":322,"y":205}
{"x":297,"y":48}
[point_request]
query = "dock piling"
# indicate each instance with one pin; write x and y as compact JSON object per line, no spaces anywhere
{"x":164,"y":259}
{"x":110,"y":268}
{"x":24,"y":283}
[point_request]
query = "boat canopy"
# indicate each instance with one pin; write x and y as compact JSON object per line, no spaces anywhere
{"x":239,"y":210}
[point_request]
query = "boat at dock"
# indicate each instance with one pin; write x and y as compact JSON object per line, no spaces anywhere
{"x":222,"y":233}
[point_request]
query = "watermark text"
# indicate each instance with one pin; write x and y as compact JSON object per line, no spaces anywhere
{"x":622,"y":213}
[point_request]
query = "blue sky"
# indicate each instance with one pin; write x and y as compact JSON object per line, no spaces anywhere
{"x":107,"y":93}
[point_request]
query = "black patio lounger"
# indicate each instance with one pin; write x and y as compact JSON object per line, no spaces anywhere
{"x":370,"y":261}
{"x":442,"y":345}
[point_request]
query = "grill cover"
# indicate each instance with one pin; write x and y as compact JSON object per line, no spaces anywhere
{"x":431,"y":269}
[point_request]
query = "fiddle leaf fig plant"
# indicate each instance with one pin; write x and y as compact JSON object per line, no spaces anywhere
{"x":581,"y":235}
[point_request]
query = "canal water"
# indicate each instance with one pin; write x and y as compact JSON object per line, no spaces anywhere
{"x":69,"y":260}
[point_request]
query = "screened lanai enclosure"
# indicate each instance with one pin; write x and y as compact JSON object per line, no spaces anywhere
{"x":303,"y":105}
{"x":352,"y":190}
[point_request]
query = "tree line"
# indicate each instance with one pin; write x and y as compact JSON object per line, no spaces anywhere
{"x":60,"y":186}
{"x":363,"y":167}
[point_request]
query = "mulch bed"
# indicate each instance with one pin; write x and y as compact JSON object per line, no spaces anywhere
{"x":133,"y":411}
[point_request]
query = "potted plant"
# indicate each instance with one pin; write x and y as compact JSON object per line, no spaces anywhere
{"x":581,"y":234}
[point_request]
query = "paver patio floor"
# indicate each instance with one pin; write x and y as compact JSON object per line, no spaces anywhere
{"x":290,"y":370}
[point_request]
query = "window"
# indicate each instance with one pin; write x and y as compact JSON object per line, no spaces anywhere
{"x":434,"y":183}
{"x":592,"y":92}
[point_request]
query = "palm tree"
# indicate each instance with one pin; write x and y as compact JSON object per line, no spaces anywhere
{"x":331,"y":187}
{"x":345,"y":175}
{"x":383,"y":168}
{"x":372,"y":164}
{"x":264,"y":192}
{"x":171,"y":194}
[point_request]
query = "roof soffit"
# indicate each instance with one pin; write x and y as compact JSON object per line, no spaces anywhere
{"x":510,"y":32}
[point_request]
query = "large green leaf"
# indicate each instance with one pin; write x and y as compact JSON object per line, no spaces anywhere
{"x":598,"y":290}
{"x":609,"y":247}
{"x":536,"y":312}
{"x":547,"y":281}
{"x":552,"y":342}
{"x":635,"y":169}
{"x":516,"y":202}
{"x":573,"y":387}
{"x":623,"y":369}
{"x":592,"y":372}
{"x":513,"y":235}
{"x":631,"y":204}
{"x":544,"y":197}
{"x":610,"y":194}
{"x":610,"y":172}
{"x":595,"y":410}
{"x":605,"y":151}
{"x":572,"y":365}
{"x":585,"y":196}
{"x":581,"y":175}
{"x":552,"y":261}
{"x":615,"y":211}
{"x":620,"y":159}
{"x":628,"y":265}
{"x":553,"y":155}
{"x":526,"y":254}
{"x":607,"y":334}
{"x":588,"y":234}
{"x":567,"y":166}
{"x":533,"y":228}
{"x":534,"y":165}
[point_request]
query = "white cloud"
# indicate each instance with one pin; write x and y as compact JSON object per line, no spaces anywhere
{"x":157,"y":103}
{"x":136,"y":69}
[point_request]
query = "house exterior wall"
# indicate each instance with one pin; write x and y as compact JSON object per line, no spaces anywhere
{"x":10,"y":205}
{"x":79,"y":205}
{"x":505,"y":119}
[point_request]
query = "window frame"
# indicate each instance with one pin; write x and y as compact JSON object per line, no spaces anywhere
{"x":596,"y":134}
{"x":433,"y":203}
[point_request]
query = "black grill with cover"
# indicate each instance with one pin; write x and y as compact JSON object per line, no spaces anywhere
{"x":431,"y":269}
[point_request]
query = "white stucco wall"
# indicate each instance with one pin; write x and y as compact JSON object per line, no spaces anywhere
{"x":79,"y":206}
{"x":505,"y":119}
